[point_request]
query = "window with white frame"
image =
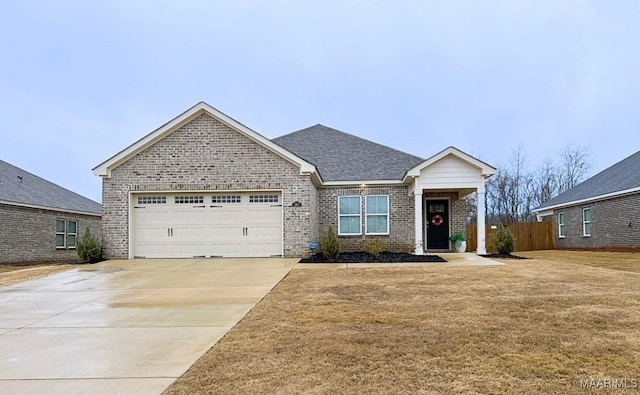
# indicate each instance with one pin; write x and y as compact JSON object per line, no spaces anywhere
{"x":61,"y":233}
{"x":586,"y":221}
{"x":72,"y":234}
{"x":349,"y":215}
{"x":66,"y":234}
{"x":226,"y":199}
{"x":377,"y":219}
{"x":561,"y":225}
{"x":152,"y":199}
{"x":263,"y":198}
{"x":189,"y":199}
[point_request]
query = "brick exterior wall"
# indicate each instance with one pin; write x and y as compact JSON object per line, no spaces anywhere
{"x":207,"y":155}
{"x":457,"y":213}
{"x":609,"y":224}
{"x":29,"y":235}
{"x":401,"y":216}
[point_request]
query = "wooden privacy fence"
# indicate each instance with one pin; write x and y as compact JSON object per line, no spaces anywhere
{"x":529,"y":236}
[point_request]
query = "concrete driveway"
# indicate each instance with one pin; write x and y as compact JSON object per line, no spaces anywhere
{"x":127,"y":327}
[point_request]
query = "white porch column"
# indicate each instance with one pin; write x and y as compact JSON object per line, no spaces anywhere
{"x":418,"y":220}
{"x":480,"y":220}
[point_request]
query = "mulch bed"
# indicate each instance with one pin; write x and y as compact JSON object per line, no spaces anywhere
{"x":363,"y":257}
{"x":503,"y":256}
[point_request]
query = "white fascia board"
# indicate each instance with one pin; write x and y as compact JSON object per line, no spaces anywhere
{"x":315,"y":178}
{"x":360,"y":183}
{"x":588,"y":200}
{"x":486,"y":169}
{"x":104,"y":169}
{"x":543,"y":213}
{"x":201,"y":191}
{"x":62,"y":210}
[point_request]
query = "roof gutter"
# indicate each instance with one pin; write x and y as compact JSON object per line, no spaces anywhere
{"x":64,"y":210}
{"x":356,"y":183}
{"x":587,"y":200}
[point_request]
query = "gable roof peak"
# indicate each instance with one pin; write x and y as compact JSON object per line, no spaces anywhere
{"x":486,"y":169}
{"x":104,"y":168}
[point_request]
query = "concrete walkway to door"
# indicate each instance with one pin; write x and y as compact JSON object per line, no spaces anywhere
{"x":126,"y":327}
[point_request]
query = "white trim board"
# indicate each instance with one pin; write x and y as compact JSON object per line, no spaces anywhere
{"x":62,"y":210}
{"x":486,"y":169}
{"x":377,"y":183}
{"x":545,"y":211}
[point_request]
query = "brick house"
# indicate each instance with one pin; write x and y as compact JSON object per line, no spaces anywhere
{"x":41,"y":221}
{"x":601,"y":212}
{"x":204,"y":185}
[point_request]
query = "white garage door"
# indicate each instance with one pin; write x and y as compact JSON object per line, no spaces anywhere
{"x":242,"y":224}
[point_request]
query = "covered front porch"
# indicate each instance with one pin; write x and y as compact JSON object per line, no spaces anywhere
{"x":440,"y":186}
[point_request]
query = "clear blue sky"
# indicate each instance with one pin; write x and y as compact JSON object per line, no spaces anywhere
{"x":80,"y":81}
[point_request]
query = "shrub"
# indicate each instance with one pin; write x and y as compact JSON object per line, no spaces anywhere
{"x":373,"y":246}
{"x":503,"y":240}
{"x":88,"y":247}
{"x":330,"y":245}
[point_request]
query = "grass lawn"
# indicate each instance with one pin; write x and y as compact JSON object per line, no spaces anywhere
{"x":607,"y":260}
{"x":12,"y":274}
{"x":533,"y":326}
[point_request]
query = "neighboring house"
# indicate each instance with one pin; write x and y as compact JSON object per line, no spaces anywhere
{"x":601,"y":212}
{"x":205,"y":185}
{"x":41,"y":221}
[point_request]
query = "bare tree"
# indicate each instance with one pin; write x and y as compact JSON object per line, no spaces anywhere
{"x":472,"y":212}
{"x":574,"y":165}
{"x":546,"y":182}
{"x":508,"y":191}
{"x":521,"y":185}
{"x":514,"y":191}
{"x":499,"y":196}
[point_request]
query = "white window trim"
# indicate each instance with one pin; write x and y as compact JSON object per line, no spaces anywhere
{"x":350,"y":215}
{"x":585,"y":222}
{"x":63,"y":233}
{"x":561,"y":226}
{"x":66,"y":234}
{"x":264,"y":198}
{"x":366,"y":215}
{"x":66,"y":239}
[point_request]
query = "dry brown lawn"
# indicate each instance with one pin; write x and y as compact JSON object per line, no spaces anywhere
{"x":627,"y":261}
{"x":10,"y":274}
{"x":533,"y":326}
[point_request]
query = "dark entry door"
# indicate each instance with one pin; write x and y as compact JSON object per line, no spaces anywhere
{"x":437,"y":224}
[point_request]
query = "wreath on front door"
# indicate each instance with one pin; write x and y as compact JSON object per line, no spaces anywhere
{"x":437,"y":220}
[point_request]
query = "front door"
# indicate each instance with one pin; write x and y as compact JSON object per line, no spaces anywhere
{"x":437,"y":224}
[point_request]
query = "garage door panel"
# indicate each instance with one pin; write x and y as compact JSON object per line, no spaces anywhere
{"x":226,"y":231}
{"x":152,"y":230}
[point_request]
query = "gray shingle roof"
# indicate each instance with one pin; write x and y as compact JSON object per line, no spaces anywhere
{"x":619,"y":177}
{"x":340,"y":156}
{"x":21,"y":187}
